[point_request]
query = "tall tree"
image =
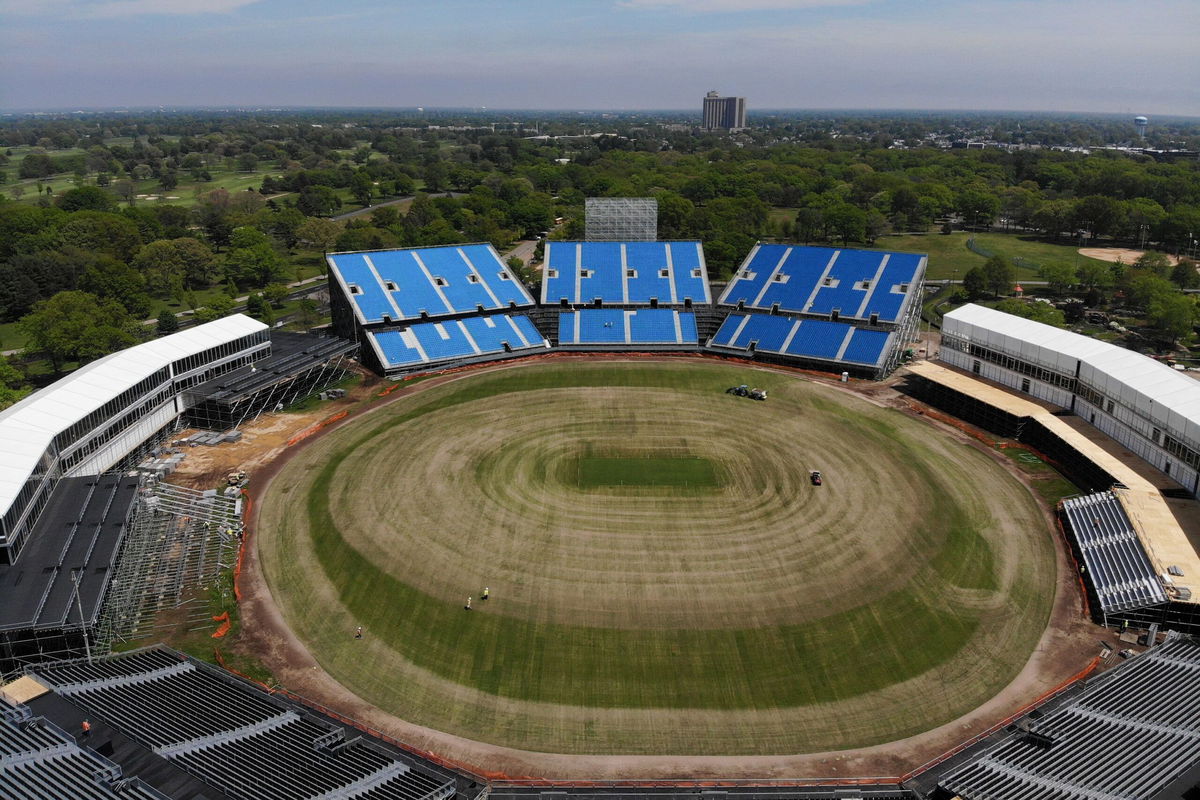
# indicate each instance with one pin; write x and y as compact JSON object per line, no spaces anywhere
{"x":999,"y":275}
{"x":77,"y":326}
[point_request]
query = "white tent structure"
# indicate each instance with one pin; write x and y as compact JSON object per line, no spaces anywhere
{"x":90,"y":420}
{"x":1145,"y":405}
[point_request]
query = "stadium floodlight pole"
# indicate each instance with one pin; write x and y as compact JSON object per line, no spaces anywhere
{"x":87,"y":648}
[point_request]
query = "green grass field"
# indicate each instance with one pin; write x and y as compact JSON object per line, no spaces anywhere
{"x":595,"y":472}
{"x":759,"y":615}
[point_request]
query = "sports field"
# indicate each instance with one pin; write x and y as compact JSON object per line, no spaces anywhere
{"x":663,"y":577}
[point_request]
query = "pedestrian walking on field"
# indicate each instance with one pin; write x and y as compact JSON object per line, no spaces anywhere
{"x":486,"y":592}
{"x":468,"y":605}
{"x":358,"y":633}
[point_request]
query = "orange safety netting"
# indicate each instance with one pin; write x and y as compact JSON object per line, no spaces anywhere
{"x":312,"y":429}
{"x":224,"y":626}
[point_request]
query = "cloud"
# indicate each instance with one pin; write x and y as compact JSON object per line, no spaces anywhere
{"x":732,"y":6}
{"x":101,"y":9}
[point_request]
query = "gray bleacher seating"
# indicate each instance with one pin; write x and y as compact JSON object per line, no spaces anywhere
{"x":1131,"y":732}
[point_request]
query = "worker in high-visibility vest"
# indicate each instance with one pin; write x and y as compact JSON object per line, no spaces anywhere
{"x":486,"y":592}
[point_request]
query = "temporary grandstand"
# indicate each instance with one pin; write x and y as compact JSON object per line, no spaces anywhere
{"x":38,"y":759}
{"x":607,"y":274}
{"x":190,"y":730}
{"x":827,"y":308}
{"x":1143,"y":404}
{"x":93,"y":419}
{"x":51,"y":600}
{"x":422,"y":308}
{"x":1131,"y":734}
{"x":1138,"y":563}
{"x":299,"y":365}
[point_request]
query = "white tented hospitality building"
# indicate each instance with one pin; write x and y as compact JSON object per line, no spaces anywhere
{"x":90,"y":420}
{"x":1145,"y":405}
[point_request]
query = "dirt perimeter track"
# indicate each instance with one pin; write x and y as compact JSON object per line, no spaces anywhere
{"x":1066,"y":647}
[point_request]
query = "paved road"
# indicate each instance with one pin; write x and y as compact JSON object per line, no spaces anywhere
{"x":522,"y":250}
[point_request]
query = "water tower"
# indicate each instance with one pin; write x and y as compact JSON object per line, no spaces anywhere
{"x":1140,"y":123}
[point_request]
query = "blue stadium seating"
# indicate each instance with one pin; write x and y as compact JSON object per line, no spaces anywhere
{"x":645,"y":326}
{"x":504,"y":285}
{"x":602,"y":262}
{"x":820,"y":280}
{"x":436,"y":281}
{"x":689,"y":272}
{"x":866,"y":347}
{"x":363,"y":283}
{"x":647,"y":260}
{"x":818,"y":339}
{"x":900,"y":271}
{"x":396,"y":351}
{"x":804,"y":338}
{"x":625,"y":273}
{"x":436,"y":342}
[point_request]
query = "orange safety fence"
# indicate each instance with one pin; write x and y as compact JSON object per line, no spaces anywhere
{"x":312,"y":429}
{"x":225,"y":625}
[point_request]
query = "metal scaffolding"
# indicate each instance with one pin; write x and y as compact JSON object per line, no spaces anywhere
{"x":180,"y":541}
{"x":621,"y":219}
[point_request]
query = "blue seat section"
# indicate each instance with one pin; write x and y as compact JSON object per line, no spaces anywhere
{"x":769,"y":332}
{"x":759,"y":265}
{"x":370,"y":299}
{"x":685,"y":260}
{"x":803,"y":269}
{"x":566,"y":327}
{"x":724,"y":334}
{"x":603,"y":259}
{"x":651,"y":326}
{"x":851,"y":267}
{"x":818,"y":339}
{"x":414,"y":292}
{"x":394,"y":350}
{"x":648,"y":260}
{"x":901,"y":269}
{"x":609,"y":281}
{"x":646,"y":326}
{"x":462,"y":289}
{"x":503,"y":283}
{"x":866,"y":346}
{"x":526,"y":326}
{"x":437,"y":347}
{"x":491,"y":338}
{"x":687,"y":325}
{"x":601,"y":326}
{"x":560,"y":272}
{"x":813,"y":338}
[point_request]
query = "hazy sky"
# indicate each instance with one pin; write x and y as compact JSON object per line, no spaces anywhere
{"x":1129,"y":56}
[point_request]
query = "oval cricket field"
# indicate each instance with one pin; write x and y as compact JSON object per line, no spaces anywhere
{"x":664,"y":578}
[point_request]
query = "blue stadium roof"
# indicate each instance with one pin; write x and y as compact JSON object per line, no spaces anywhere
{"x":435,"y":281}
{"x":625,"y":273}
{"x":857,"y":284}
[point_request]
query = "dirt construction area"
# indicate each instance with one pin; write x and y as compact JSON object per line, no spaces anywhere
{"x":641,"y":624}
{"x":1121,"y":255}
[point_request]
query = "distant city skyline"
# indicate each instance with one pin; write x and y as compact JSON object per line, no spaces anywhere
{"x":1100,"y":56}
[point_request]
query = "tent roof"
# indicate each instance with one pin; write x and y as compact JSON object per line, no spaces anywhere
{"x":28,"y":427}
{"x":1152,"y":379}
